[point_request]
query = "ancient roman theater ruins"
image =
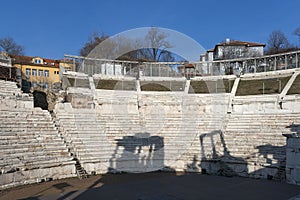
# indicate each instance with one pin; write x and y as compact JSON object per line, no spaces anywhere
{"x":142,"y":117}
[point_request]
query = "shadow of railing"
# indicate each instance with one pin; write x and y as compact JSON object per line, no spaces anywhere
{"x":267,"y":163}
{"x":272,"y":160}
{"x":139,"y":153}
{"x":220,"y":162}
{"x":294,"y":128}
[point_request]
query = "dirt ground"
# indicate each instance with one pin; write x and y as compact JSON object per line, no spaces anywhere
{"x":155,"y":186}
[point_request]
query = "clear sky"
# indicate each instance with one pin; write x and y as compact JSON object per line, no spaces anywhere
{"x":53,"y":28}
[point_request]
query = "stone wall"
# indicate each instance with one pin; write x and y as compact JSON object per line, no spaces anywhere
{"x":192,"y":132}
{"x":142,"y":132}
{"x":293,"y":158}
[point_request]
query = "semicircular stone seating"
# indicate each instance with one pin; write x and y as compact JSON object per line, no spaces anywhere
{"x":31,"y":149}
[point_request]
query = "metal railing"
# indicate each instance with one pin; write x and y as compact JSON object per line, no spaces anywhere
{"x":238,"y":66}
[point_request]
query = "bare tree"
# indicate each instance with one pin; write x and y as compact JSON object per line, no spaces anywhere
{"x":277,"y":42}
{"x":297,"y":32}
{"x":92,"y":42}
{"x":167,"y":56}
{"x":8,"y":45}
{"x":112,"y":48}
{"x":157,"y":46}
{"x":154,"y":47}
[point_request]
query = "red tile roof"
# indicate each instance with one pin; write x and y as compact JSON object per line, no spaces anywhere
{"x":237,"y":43}
{"x":16,"y":59}
{"x":241,"y":43}
{"x":189,"y":65}
{"x":211,"y":50}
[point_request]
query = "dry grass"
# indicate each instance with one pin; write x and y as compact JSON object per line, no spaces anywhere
{"x":83,"y":83}
{"x":154,"y":87}
{"x":162,"y":86}
{"x":218,"y":86}
{"x":295,"y":88}
{"x":262,"y":86}
{"x":115,"y":85}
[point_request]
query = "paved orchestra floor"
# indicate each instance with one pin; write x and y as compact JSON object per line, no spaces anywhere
{"x":156,"y":186}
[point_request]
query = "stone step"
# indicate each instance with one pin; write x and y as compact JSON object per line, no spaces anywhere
{"x":22,"y":156}
{"x":52,"y":134}
{"x":21,"y":140}
{"x":35,"y":110}
{"x":41,"y":163}
{"x":28,"y":130}
{"x":233,"y":131}
{"x":84,"y":157}
{"x":36,"y":124}
{"x":47,"y":147}
{"x":34,"y":165}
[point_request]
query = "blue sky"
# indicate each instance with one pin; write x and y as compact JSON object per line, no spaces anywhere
{"x":53,"y":28}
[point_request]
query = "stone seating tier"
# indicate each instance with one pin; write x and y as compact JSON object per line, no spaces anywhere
{"x":9,"y":88}
{"x":257,"y":138}
{"x":31,"y":148}
{"x":30,"y":143}
{"x":94,"y":141}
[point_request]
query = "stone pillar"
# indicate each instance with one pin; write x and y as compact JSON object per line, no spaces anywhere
{"x":292,"y":169}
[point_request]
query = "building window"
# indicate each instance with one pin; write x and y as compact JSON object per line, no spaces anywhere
{"x":41,"y":72}
{"x":56,"y":72}
{"x":33,"y":72}
{"x":47,"y":73}
{"x":238,"y":52}
{"x":28,"y":71}
{"x":37,"y":61}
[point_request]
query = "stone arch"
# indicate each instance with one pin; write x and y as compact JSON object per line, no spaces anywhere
{"x":40,"y":99}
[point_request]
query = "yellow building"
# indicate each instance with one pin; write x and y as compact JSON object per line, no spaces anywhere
{"x":36,"y":72}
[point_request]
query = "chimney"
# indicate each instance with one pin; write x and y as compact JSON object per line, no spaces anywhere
{"x":227,"y":40}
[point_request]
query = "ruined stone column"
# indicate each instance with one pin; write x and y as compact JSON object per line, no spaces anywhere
{"x":292,"y":169}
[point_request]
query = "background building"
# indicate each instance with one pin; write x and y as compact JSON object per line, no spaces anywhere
{"x":233,"y":49}
{"x":7,"y":71}
{"x":36,"y":72}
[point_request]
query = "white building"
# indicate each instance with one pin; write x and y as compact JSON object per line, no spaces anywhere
{"x":227,"y":50}
{"x":233,"y":49}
